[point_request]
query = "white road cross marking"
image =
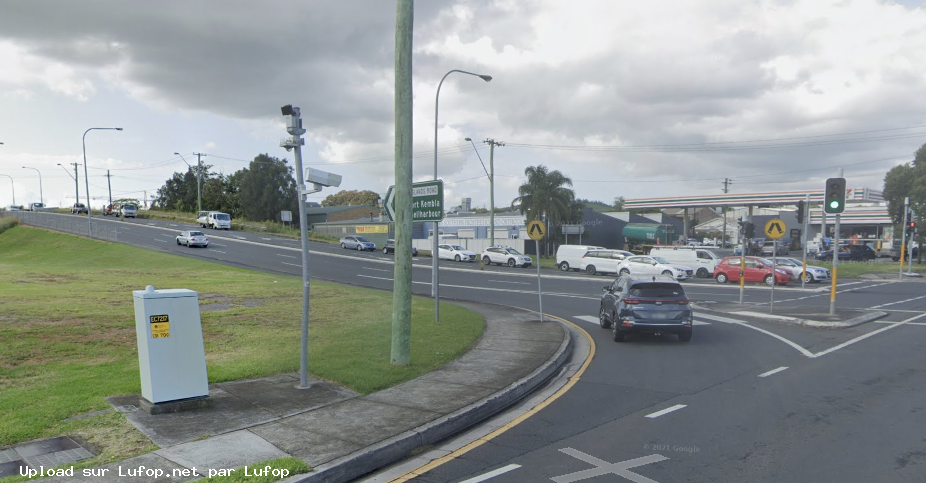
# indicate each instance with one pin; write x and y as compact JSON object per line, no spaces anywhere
{"x":591,"y":319}
{"x":744,"y":324}
{"x":773,"y":371}
{"x":492,"y":474}
{"x":666,"y":411}
{"x":604,"y":468}
{"x":899,"y":302}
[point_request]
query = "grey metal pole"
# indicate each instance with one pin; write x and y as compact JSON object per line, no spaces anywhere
{"x":804,"y":228}
{"x":86,"y":178}
{"x":76,"y":184}
{"x":435,"y":291}
{"x":13,"y":186}
{"x":199,"y":177}
{"x":539,"y":291}
{"x":41,"y":195}
{"x":492,"y":144}
{"x":835,"y":255}
{"x":402,"y":268}
{"x":903,"y":239}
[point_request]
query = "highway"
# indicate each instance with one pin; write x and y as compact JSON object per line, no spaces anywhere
{"x":745,"y":401}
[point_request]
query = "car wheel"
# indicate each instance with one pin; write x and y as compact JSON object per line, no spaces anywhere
{"x":590,"y":269}
{"x":624,"y":271}
{"x":684,"y":336}
{"x":769,"y":280}
{"x":385,"y":252}
{"x":359,"y":247}
{"x":178,"y":242}
{"x":617,"y":335}
{"x":344,"y":246}
{"x":564,"y":266}
{"x":721,"y":278}
{"x":808,"y":278}
{"x":703,"y":273}
{"x":456,"y":258}
{"x":668,"y":272}
{"x":511,"y":262}
{"x":603,"y":319}
{"x":486,"y":261}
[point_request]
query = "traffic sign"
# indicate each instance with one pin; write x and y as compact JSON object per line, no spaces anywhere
{"x":536,"y":230}
{"x":774,"y":228}
{"x":427,"y":201}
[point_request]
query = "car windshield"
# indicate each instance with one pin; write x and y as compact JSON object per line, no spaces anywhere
{"x":197,"y":233}
{"x":657,"y":290}
{"x":512,"y":251}
{"x":362,"y":239}
{"x":456,"y":247}
{"x":789,"y":262}
{"x":660,"y":260}
{"x":222,"y":217}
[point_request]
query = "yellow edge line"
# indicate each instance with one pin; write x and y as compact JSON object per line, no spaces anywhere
{"x":475,"y":444}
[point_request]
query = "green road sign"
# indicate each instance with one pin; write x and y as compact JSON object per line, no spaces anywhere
{"x":427,"y":201}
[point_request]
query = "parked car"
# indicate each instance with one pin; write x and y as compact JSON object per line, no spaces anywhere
{"x":796,"y":267}
{"x":602,"y":261}
{"x":849,"y":252}
{"x":768,"y":248}
{"x":756,"y":270}
{"x":78,"y":208}
{"x":569,"y":257}
{"x":643,"y":266}
{"x":500,"y":255}
{"x":193,"y":239}
{"x":455,"y":253}
{"x":36,"y":207}
{"x":389,"y":247}
{"x":352,"y":242}
{"x":895,"y":252}
{"x":702,"y":260}
{"x":652,"y":304}
{"x":758,"y":242}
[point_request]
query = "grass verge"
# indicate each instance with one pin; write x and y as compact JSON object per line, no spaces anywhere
{"x":68,"y":331}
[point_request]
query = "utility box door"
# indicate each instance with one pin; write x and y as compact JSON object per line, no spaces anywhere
{"x":171,"y":353}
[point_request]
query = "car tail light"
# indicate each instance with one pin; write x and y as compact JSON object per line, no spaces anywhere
{"x":683,"y":302}
{"x":630,"y":301}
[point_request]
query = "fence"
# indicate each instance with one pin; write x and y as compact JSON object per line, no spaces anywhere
{"x":73,"y":224}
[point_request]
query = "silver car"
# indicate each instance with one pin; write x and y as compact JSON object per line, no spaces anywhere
{"x":796,"y":267}
{"x":193,"y":238}
{"x":354,"y":242}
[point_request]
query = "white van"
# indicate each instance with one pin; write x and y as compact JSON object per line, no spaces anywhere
{"x":128,"y":210}
{"x":214,"y":219}
{"x":569,"y":257}
{"x":702,"y":261}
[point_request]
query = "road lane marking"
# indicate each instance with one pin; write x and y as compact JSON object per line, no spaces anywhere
{"x":516,"y":421}
{"x":773,"y":371}
{"x":870,"y":334}
{"x":292,"y":264}
{"x":217,"y":251}
{"x":666,"y":411}
{"x":591,"y":319}
{"x":921,"y":324}
{"x":744,"y":324}
{"x":899,"y":302}
{"x":601,"y":467}
{"x":512,"y":283}
{"x":492,"y":474}
{"x":376,"y":269}
{"x":286,"y":256}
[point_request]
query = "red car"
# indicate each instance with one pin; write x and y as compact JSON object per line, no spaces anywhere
{"x":756,"y":270}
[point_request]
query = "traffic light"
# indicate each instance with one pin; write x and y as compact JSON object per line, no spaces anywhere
{"x":834,"y":198}
{"x":749,"y":229}
{"x":800,"y":212}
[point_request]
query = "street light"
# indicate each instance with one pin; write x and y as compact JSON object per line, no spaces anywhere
{"x":41,"y":195}
{"x":434,"y":279}
{"x":199,"y":192}
{"x":86,"y":179}
{"x":14,"y":188}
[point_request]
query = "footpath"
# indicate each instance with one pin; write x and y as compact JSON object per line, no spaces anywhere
{"x":341,"y":435}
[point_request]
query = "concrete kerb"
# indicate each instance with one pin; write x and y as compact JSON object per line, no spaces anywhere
{"x":369,"y":459}
{"x":869,"y":316}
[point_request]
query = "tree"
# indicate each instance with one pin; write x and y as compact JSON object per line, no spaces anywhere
{"x":267,"y":187}
{"x":545,"y":197}
{"x":619,"y":203}
{"x":352,"y":198}
{"x":907,"y":180}
{"x":179,"y":193}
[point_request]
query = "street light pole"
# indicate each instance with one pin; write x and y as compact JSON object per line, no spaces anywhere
{"x":434,"y":278}
{"x":86,"y":179}
{"x":199,"y":177}
{"x":74,"y":177}
{"x":13,"y":186}
{"x":41,"y":195}
{"x":199,"y":194}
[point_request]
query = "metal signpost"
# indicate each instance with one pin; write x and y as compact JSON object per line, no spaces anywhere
{"x":536,"y":231}
{"x":774,"y":229}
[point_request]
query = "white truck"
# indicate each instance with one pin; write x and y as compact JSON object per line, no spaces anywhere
{"x":214,"y":219}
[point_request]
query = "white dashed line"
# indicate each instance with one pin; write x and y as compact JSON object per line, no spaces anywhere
{"x":492,"y":474}
{"x":773,"y":371}
{"x":666,"y":411}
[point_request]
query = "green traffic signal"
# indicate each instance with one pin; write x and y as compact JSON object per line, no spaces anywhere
{"x":835,"y":196}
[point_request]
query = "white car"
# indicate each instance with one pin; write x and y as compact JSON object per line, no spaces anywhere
{"x":796,"y":267}
{"x":643,"y":265}
{"x":455,"y":253}
{"x":193,"y":239}
{"x":602,"y":261}
{"x":505,"y":256}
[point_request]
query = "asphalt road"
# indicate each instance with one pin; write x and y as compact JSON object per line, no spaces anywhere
{"x":744,"y":401}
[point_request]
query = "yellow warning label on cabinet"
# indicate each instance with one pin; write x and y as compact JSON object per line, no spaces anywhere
{"x":160,"y":326}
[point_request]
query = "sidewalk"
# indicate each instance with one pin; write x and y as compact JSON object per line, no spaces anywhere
{"x":340,"y":435}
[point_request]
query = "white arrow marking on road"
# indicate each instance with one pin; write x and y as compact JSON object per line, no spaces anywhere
{"x":604,"y":468}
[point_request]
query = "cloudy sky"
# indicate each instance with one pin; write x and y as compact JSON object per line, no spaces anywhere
{"x":627,"y":98}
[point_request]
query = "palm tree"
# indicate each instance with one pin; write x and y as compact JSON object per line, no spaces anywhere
{"x":545,"y":197}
